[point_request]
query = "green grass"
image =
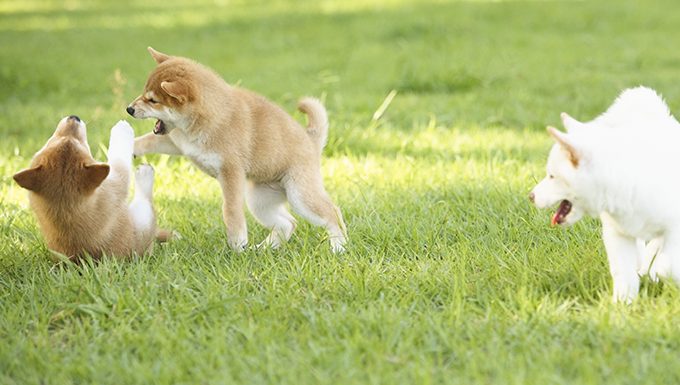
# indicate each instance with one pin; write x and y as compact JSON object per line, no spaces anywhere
{"x":451,"y":276}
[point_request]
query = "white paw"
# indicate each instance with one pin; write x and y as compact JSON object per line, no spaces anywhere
{"x":122,"y":141}
{"x":657,"y":272}
{"x":271,"y":242}
{"x":645,"y":271}
{"x":626,"y":290}
{"x":144,"y":179}
{"x":338,"y":245}
{"x":145,"y":172}
{"x":279,"y":235}
{"x":661,"y":268}
{"x":123,"y":131}
{"x":239,"y":244}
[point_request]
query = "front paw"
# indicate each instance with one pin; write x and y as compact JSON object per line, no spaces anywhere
{"x":626,"y":289}
{"x":144,"y":180}
{"x":122,"y":131}
{"x":238,"y":247}
{"x":338,"y":245}
{"x":238,"y":244}
{"x":121,"y":142}
{"x":660,"y":268}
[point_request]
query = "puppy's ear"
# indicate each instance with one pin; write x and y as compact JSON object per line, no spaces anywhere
{"x":93,"y":175}
{"x":566,"y":143}
{"x":30,"y":179}
{"x":569,"y":122}
{"x":177,"y":90}
{"x":158,"y":56}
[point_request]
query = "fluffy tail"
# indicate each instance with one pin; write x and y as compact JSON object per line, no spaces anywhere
{"x":317,"y":128}
{"x":163,"y":235}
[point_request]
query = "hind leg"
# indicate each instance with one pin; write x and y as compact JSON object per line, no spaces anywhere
{"x":141,"y":208}
{"x":669,"y":256}
{"x":653,"y":262}
{"x":309,"y":199}
{"x":267,"y":204}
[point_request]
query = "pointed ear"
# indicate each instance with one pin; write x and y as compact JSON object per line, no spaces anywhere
{"x":565,"y":142}
{"x":177,"y":90}
{"x":158,"y":56}
{"x":93,"y":175}
{"x":30,"y":179}
{"x":569,"y":122}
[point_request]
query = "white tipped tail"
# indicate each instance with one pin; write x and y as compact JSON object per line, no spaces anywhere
{"x":317,"y":128}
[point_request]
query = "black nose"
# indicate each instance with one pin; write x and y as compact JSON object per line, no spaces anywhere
{"x":130,"y":111}
{"x":73,"y":117}
{"x":532,"y":196}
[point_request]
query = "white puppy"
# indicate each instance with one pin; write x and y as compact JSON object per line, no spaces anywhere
{"x":622,"y":167}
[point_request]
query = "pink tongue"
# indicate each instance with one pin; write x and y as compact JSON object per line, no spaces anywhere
{"x":555,"y":218}
{"x":562,"y":211}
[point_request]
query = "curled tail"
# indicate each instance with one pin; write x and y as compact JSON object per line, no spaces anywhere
{"x":163,"y":235}
{"x":317,"y":128}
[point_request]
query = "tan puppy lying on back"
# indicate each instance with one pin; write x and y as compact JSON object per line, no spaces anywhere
{"x":249,"y":144}
{"x":81,"y":204}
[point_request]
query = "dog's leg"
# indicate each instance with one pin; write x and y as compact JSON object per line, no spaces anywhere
{"x":119,"y":155}
{"x":661,"y":265}
{"x":623,"y":257}
{"x":141,"y":208}
{"x":232,"y":180}
{"x":642,"y":267}
{"x":155,"y":144}
{"x":669,"y":256}
{"x":310,"y":200}
{"x":267,"y":204}
{"x":651,"y":261}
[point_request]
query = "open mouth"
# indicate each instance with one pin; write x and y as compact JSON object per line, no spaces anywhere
{"x":159,"y":128}
{"x":562,"y":212}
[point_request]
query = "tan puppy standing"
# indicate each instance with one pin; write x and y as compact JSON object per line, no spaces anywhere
{"x":251,"y":146}
{"x":81,"y":204}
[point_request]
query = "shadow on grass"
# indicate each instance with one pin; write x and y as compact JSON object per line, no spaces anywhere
{"x":489,"y":244}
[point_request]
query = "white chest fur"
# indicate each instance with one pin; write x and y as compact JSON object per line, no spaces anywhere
{"x":637,"y":226}
{"x":195,"y":149}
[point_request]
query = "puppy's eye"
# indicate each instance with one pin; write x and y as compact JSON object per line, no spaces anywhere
{"x":153,"y":101}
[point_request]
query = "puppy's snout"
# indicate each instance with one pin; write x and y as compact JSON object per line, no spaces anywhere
{"x":74,"y":117}
{"x":130,"y":110}
{"x":532,"y":196}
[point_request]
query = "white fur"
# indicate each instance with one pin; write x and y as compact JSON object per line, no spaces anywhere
{"x":336,"y":234}
{"x":626,"y":175}
{"x":141,"y":207}
{"x":209,"y":162}
{"x":267,"y":203}
{"x":121,"y":142}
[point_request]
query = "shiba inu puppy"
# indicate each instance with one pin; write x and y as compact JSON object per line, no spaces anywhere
{"x":621,"y":167}
{"x":81,"y":204}
{"x":254,"y":149}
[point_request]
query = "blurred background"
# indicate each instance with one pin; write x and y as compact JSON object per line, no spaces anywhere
{"x":511,"y":64}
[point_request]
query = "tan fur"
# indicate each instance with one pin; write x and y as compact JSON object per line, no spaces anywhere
{"x":249,"y":144}
{"x":80,"y":204}
{"x":559,"y":138}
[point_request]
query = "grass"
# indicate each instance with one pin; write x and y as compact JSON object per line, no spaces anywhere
{"x":451,"y":276}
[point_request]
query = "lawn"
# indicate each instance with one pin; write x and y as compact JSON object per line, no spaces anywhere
{"x":451,"y":276}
